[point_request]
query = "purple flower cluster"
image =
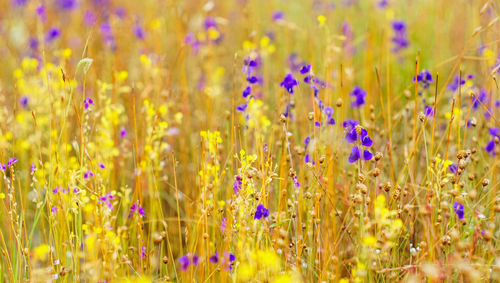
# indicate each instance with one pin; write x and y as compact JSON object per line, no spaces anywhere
{"x":136,"y":207}
{"x":237,"y":184}
{"x":185,"y":261}
{"x":107,"y":198}
{"x":355,"y":133}
{"x":87,"y":102}
{"x":400,"y":37}
{"x":490,"y":146}
{"x":261,"y":212}
{"x":424,"y":79}
{"x":226,"y":261}
{"x":359,"y":94}
{"x":250,"y":69}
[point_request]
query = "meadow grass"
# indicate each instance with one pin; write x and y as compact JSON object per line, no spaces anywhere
{"x":249,"y":141}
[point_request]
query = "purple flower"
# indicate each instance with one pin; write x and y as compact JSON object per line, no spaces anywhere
{"x":42,"y":13}
{"x":495,"y":132}
{"x":101,"y":165}
{"x":87,"y":102}
{"x":89,"y":18}
{"x":424,"y":78}
{"x":367,"y":155}
{"x":296,"y":181}
{"x":482,"y":97}
{"x":453,"y":86}
{"x":55,"y":190}
{"x":359,"y":94}
{"x":289,"y":82}
{"x":53,"y":210}
{"x":277,"y":16}
{"x":247,"y":91}
{"x":453,"y":168}
{"x":143,"y":252}
{"x":214,"y":258}
{"x":261,"y":212}
{"x":67,"y":5}
{"x":399,"y":39}
{"x":351,"y":136}
{"x":196,"y":259}
{"x":355,"y":154}
{"x":23,"y":100}
{"x":11,"y":161}
{"x":490,"y":147}
{"x":184,"y":262}
{"x":252,"y":79}
{"x":136,"y":207}
{"x":88,"y":174}
{"x":139,"y":32}
{"x":237,"y":184}
{"x":123,"y":132}
{"x":19,"y":3}
{"x":52,"y":34}
{"x":242,"y":107}
{"x":429,"y":111}
{"x":350,"y":123}
{"x":459,"y":210}
{"x":305,"y":69}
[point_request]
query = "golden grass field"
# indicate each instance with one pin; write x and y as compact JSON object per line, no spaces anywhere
{"x":249,"y":141}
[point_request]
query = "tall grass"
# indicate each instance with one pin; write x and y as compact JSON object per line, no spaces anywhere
{"x":188,"y":141}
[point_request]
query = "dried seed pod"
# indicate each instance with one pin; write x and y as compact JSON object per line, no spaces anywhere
{"x":485,"y":182}
{"x":339,"y":102}
{"x":378,"y":156}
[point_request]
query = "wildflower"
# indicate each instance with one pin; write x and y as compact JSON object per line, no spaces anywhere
{"x":87,"y":102}
{"x":89,"y":18}
{"x":196,"y":259}
{"x":11,"y":161}
{"x":88,"y":174}
{"x":214,"y":258}
{"x":429,"y":111}
{"x":296,"y":181}
{"x":355,"y":154}
{"x":261,"y":212}
{"x":424,"y":78}
{"x":23,"y":101}
{"x":252,"y":79}
{"x":237,"y":184}
{"x":305,"y":69}
{"x":136,"y":207}
{"x":143,"y":252}
{"x":139,"y":32}
{"x":101,"y":165}
{"x":351,"y":136}
{"x":123,"y":132}
{"x":53,"y":210}
{"x":184,"y":262}
{"x":400,"y":41}
{"x":459,"y":210}
{"x":107,"y":200}
{"x":242,"y":107}
{"x":289,"y":82}
{"x":490,"y":146}
{"x":247,"y":91}
{"x":365,"y":139}
{"x":66,"y":5}
{"x":453,"y":168}
{"x":367,"y":155}
{"x":52,"y":34}
{"x":482,"y":97}
{"x":359,"y":94}
{"x":453,"y":86}
{"x":277,"y":16}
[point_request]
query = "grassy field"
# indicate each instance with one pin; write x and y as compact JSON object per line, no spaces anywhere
{"x":249,"y":141}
